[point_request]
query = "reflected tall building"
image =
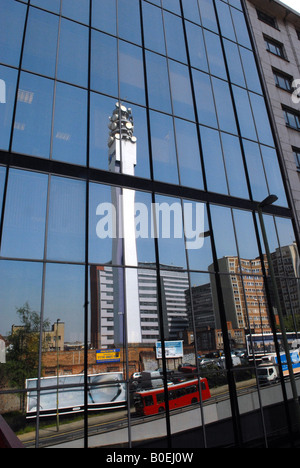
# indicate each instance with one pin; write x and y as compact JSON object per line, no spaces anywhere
{"x":286,"y":267}
{"x":122,"y":159}
{"x":105,"y":299}
{"x":244,"y":294}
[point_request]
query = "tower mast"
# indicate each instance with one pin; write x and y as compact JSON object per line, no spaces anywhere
{"x":122,"y":150}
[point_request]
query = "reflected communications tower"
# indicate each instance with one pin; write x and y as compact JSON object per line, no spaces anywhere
{"x":122,"y":159}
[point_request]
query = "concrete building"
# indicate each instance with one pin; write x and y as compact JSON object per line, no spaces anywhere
{"x":276,"y":30}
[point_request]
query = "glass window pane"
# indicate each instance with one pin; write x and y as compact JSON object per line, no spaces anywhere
{"x":256,"y":171}
{"x":73,"y":43}
{"x":77,"y":10}
{"x":196,"y":46}
{"x":191,"y":11}
{"x":129,"y":20}
{"x":158,"y":82}
{"x":142,"y":168}
{"x":234,"y":63}
{"x":131,"y":73}
{"x":271,"y":230}
{"x":101,"y":229}
{"x":201,"y":310}
{"x":153,"y":28}
{"x":70,"y":124}
{"x":149,"y":305}
{"x":213,"y":160}
{"x":25,"y":215}
{"x":241,"y":29}
{"x":12,"y":20}
{"x":236,"y":4}
{"x":20,"y":290}
{"x":133,"y":243}
{"x":175,"y":284}
{"x":66,"y":225}
{"x":34,"y":115}
{"x":144,"y":229}
{"x":198,"y":236}
{"x":41,"y":43}
{"x":261,"y":119}
{"x":215,"y":54}
{"x":104,"y":15}
{"x":169,"y":231}
{"x":163,"y":148}
{"x":8,"y":81}
{"x":250,"y":68}
{"x":51,"y":5}
{"x":101,"y":109}
{"x":245,"y":234}
{"x":181,"y":90}
{"x":104,"y":69}
{"x":234,"y":166}
{"x":108,"y":314}
{"x":286,"y":237}
{"x":64,"y":300}
{"x":273,"y":174}
{"x":188,"y":154}
{"x":244,"y":112}
{"x":223,"y":234}
{"x":225,"y":20}
{"x":207,"y":14}
{"x":172,"y":5}
{"x":174,"y":37}
{"x":224,"y":106}
{"x":204,"y":99}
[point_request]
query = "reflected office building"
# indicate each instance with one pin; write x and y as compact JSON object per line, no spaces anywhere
{"x":142,"y":263}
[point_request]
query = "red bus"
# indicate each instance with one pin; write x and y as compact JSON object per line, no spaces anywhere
{"x":152,"y":401}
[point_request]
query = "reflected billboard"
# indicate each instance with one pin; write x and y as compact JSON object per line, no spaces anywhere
{"x":65,"y":394}
{"x":173,"y":349}
{"x":262,"y":344}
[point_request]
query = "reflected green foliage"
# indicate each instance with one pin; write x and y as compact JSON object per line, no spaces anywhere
{"x":22,"y":355}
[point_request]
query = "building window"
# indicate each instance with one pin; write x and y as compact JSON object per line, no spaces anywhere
{"x":275,"y":47}
{"x":292,"y":118}
{"x":296,"y":152}
{"x":298,"y":33}
{"x":270,"y":20}
{"x":283,"y":80}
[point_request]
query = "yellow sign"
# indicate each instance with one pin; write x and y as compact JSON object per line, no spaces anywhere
{"x":107,"y":355}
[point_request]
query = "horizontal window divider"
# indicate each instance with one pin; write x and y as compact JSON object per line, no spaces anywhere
{"x":41,"y":260}
{"x":36,"y":164}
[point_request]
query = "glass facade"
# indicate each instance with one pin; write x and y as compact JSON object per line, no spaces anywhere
{"x":132,"y":260}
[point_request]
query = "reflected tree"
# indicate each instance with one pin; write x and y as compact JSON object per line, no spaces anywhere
{"x":23,"y":351}
{"x":292,"y":322}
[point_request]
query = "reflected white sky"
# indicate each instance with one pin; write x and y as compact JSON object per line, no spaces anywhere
{"x":292,"y":4}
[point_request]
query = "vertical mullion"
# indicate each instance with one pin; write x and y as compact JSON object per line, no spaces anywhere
{"x":86,"y":273}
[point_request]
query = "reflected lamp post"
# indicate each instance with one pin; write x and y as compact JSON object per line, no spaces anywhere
{"x":266,"y":202}
{"x":57,"y":370}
